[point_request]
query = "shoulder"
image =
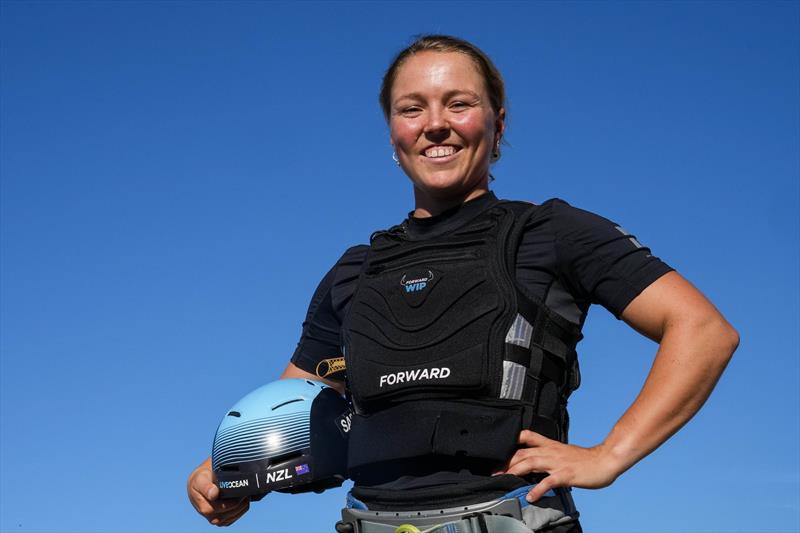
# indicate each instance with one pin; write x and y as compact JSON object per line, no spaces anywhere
{"x":354,"y":254}
{"x":573,"y":224}
{"x":348,"y":266}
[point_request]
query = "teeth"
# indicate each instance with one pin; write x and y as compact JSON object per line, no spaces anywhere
{"x":440,"y":151}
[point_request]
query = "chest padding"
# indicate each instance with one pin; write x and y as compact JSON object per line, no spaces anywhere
{"x":445,"y":356}
{"x":429,"y":318}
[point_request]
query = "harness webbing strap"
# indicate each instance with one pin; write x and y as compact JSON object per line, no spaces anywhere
{"x":477,"y":523}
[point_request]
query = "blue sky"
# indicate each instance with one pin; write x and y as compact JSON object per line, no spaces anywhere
{"x":178,"y":176}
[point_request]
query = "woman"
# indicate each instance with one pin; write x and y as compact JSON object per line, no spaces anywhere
{"x":481,"y":302}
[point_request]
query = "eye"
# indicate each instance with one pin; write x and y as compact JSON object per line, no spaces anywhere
{"x":411,"y":111}
{"x":458,"y":105}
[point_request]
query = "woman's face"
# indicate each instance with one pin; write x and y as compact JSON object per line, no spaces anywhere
{"x":442,"y":125}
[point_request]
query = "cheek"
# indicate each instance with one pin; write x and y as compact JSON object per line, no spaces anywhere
{"x":475,"y":128}
{"x":403,"y":135}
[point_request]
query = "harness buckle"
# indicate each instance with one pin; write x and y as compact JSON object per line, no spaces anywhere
{"x":480,"y":518}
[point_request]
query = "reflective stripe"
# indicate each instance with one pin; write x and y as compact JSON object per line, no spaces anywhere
{"x":520,"y":332}
{"x":513,"y":380}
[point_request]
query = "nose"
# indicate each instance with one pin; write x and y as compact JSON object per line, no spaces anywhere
{"x":436,"y":125}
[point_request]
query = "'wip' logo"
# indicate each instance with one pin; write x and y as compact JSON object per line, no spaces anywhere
{"x":417,"y":283}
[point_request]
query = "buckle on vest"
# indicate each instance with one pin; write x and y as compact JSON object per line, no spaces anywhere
{"x":480,"y":518}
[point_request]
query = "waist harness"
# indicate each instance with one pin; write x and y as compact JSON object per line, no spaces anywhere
{"x":445,"y":355}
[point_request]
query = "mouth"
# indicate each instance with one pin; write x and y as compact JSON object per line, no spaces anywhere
{"x":440,"y":152}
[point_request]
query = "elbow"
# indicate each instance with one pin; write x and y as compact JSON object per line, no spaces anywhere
{"x":724,"y":338}
{"x":733,"y":338}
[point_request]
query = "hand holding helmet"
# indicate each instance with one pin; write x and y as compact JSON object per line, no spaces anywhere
{"x":204,"y":496}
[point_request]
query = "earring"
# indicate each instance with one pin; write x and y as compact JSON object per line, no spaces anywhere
{"x":394,"y":158}
{"x":496,"y":152}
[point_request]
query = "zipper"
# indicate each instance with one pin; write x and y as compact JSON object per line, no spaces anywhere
{"x":440,"y":258}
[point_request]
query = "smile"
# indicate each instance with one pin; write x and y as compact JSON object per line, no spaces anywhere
{"x":440,"y":151}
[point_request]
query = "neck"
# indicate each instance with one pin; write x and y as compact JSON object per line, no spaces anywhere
{"x":426,"y":205}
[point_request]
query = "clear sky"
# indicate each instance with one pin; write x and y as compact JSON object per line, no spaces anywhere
{"x":178,"y":176}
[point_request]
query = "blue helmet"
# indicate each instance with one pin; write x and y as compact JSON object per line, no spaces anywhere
{"x":289,"y":435}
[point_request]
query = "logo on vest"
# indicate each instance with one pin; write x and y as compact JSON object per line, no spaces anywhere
{"x":407,"y":376}
{"x":416,"y":283}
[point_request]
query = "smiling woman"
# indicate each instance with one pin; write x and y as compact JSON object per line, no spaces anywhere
{"x":443,"y":128}
{"x":458,"y":329}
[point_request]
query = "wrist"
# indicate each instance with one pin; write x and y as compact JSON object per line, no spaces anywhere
{"x":615,"y":458}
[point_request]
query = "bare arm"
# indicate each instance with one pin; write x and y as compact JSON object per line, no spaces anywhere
{"x":204,"y":494}
{"x":695,"y":345}
{"x":292,"y":371}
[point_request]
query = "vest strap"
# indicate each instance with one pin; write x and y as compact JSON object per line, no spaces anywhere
{"x":436,"y":427}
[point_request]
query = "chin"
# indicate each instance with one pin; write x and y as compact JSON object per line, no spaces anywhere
{"x":445,"y":188}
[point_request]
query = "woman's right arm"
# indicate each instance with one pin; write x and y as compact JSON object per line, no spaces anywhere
{"x":319,"y":340}
{"x":203,"y":492}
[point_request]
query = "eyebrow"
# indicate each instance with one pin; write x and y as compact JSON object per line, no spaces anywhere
{"x":448,"y":94}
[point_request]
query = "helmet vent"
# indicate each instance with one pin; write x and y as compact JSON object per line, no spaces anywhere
{"x":285,"y":457}
{"x":237,"y":414}
{"x":287,"y":403}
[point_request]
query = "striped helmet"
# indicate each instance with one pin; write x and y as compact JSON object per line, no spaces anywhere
{"x":289,"y":435}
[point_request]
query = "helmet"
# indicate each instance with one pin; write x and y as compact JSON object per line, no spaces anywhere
{"x":289,"y":435}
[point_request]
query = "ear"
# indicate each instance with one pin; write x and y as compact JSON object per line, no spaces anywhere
{"x":500,"y":125}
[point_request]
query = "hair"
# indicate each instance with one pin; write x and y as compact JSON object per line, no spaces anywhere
{"x":446,"y":43}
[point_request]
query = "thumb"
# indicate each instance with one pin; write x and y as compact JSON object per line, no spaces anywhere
{"x":212,"y":493}
{"x":204,"y":484}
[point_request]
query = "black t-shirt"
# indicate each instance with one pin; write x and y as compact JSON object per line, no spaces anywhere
{"x":568,"y":258}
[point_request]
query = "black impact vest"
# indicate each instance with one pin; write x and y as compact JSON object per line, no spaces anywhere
{"x":445,"y":355}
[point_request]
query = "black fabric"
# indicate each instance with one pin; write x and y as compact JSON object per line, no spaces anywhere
{"x":411,"y":495}
{"x":429,"y":320}
{"x":445,"y":302}
{"x":477,"y":430}
{"x":567,"y":258}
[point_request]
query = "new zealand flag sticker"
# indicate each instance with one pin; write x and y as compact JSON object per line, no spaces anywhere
{"x":301,"y":469}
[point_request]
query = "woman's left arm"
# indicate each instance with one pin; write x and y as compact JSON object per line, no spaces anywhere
{"x":695,"y":345}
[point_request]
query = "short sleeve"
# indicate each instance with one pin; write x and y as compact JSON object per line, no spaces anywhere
{"x":318,"y":350}
{"x":601,"y":260}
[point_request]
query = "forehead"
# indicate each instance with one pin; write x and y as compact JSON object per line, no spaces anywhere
{"x":433,"y":72}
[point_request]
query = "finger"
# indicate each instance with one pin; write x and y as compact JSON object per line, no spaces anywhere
{"x":519,"y":456}
{"x":528,"y":466}
{"x":531,"y":438}
{"x":542,"y":457}
{"x":228,"y":505}
{"x":234,"y":516}
{"x":211,"y":509}
{"x":550,"y":482}
{"x":211,"y":492}
{"x":228,"y":518}
{"x":202,"y":483}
